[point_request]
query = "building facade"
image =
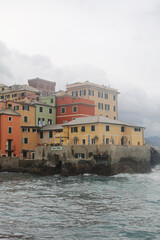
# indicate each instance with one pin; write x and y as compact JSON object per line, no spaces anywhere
{"x":105,"y":98}
{"x":10,"y":133}
{"x":69,"y":108}
{"x":45,"y":114}
{"x":19,"y":92}
{"x":101,"y":130}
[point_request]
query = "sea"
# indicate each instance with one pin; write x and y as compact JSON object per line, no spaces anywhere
{"x":123,"y":206}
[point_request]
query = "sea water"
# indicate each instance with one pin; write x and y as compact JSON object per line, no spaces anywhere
{"x":82,"y":207}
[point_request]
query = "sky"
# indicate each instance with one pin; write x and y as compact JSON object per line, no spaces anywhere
{"x":109,"y":42}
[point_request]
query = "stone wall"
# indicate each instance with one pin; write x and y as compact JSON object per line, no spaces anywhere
{"x":103,"y":160}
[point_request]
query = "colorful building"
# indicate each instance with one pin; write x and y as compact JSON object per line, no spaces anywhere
{"x":101,"y":130}
{"x":47,"y":87}
{"x":105,"y":98}
{"x":28,"y":129}
{"x":19,"y":92}
{"x":45,"y":114}
{"x":52,"y":134}
{"x":10,"y":133}
{"x":69,"y":108}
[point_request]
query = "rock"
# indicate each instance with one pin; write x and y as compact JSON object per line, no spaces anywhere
{"x":155,"y":157}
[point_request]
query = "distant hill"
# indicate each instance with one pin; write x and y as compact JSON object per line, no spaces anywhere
{"x":153,"y":141}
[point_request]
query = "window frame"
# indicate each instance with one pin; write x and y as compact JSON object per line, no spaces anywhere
{"x":76,"y":109}
{"x":9,"y":130}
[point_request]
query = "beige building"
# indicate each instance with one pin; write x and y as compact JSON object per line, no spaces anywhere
{"x":105,"y":98}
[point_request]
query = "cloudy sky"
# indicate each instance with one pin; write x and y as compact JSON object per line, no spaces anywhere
{"x":111,"y":42}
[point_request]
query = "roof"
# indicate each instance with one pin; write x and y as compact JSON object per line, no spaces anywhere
{"x":52,"y":127}
{"x":34,"y":103}
{"x":18,"y":88}
{"x":2,"y":85}
{"x":97,"y":119}
{"x":90,"y":84}
{"x":9,"y":111}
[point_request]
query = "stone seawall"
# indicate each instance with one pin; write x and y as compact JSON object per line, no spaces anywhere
{"x":102,"y":160}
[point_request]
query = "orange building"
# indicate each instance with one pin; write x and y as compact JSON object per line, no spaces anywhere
{"x":10,"y":133}
{"x":29,"y":131}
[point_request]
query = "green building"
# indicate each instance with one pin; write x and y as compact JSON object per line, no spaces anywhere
{"x":45,"y":111}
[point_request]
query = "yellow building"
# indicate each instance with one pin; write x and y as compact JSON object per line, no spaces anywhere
{"x":105,"y":98}
{"x":101,"y":130}
{"x":92,"y":130}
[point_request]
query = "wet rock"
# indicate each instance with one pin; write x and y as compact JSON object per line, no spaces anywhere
{"x":155,"y":157}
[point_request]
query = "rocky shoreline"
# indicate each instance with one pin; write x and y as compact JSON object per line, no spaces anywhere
{"x":100,"y":165}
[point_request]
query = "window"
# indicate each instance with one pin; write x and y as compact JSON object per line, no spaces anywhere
{"x":74,"y":129}
{"x":91,"y":92}
{"x":107,"y":116}
{"x":100,"y":105}
{"x":25,"y":140}
{"x":83,"y":129}
{"x":74,"y":109}
{"x":107,"y":107}
{"x":26,"y":129}
{"x":114,"y":108}
{"x":9,"y":119}
{"x":25,"y":119}
{"x":9,"y":105}
{"x":83,"y":141}
{"x":107,"y":140}
{"x":51,"y":100}
{"x":9,"y":130}
{"x":22,"y":94}
{"x":34,"y":130}
{"x":14,"y":95}
{"x":16,"y":107}
{"x":137,"y":129}
{"x":41,"y":134}
{"x":122,"y":129}
{"x":63,"y":110}
{"x":49,"y":121}
{"x":25,"y":107}
{"x":83,"y":92}
{"x":7,"y":96}
{"x":106,"y":95}
{"x":50,"y":110}
{"x":93,"y":141}
{"x":114,"y":118}
{"x":75,"y":141}
{"x":50,"y":134}
{"x":2,"y":97}
{"x":114,"y":97}
{"x":107,"y":128}
{"x":40,"y":109}
{"x":75,"y":94}
{"x":100,"y":94}
{"x":92,"y":128}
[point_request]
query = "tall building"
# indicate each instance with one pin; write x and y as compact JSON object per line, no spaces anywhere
{"x":105,"y":98}
{"x":45,"y":86}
